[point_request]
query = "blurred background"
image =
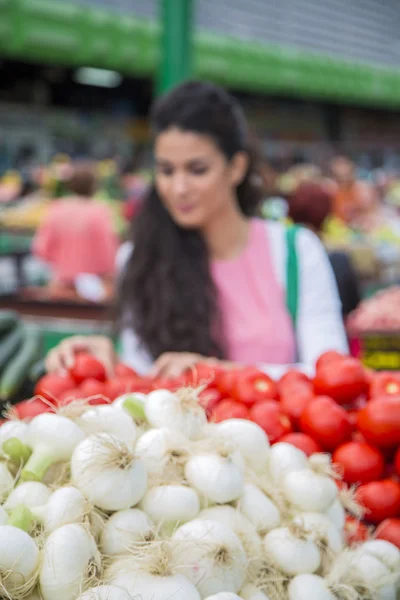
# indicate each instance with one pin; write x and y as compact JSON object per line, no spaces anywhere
{"x":318,"y":79}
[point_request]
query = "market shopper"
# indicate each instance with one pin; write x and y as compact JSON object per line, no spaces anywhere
{"x":206,"y":277}
{"x":77,"y":234}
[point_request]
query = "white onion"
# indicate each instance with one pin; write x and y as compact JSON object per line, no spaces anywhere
{"x":284,"y":458}
{"x":161,"y":448}
{"x":211,"y":556}
{"x":259,"y":509}
{"x":374,"y":574}
{"x":337,"y":514}
{"x":182,"y":414}
{"x":320,"y":528}
{"x":29,"y":494}
{"x":308,"y":491}
{"x":70,"y":559}
{"x":107,"y":419}
{"x":19,"y":559}
{"x":216,"y":478}
{"x":13,"y":429}
{"x":145,"y":586}
{"x":124,"y":528}
{"x":291,"y":554}
{"x":171,"y":504}
{"x":224,"y":596}
{"x":66,"y":505}
{"x":251,"y":440}
{"x":105,"y":592}
{"x":53,"y":439}
{"x":3,"y":516}
{"x":105,"y":471}
{"x":384,"y":551}
{"x":309,"y":587}
{"x":6,"y":481}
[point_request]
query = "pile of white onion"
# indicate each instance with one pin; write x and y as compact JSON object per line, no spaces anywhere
{"x":96,"y":506}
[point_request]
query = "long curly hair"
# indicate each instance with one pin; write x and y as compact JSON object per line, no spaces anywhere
{"x":167,"y":293}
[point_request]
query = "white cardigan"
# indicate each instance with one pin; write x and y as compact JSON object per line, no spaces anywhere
{"x":319,"y":322}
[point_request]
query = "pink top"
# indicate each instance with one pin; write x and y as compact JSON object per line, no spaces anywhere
{"x":257,"y":325}
{"x":76,"y":237}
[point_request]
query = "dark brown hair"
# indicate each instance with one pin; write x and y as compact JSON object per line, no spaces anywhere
{"x":310,"y":204}
{"x":82,"y":181}
{"x":167,"y":292}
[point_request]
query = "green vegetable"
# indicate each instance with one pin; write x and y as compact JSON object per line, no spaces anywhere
{"x":17,"y":369}
{"x":8,"y":320}
{"x":10,"y":344}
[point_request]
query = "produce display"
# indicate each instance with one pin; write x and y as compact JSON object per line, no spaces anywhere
{"x":379,"y":313}
{"x":222,"y":485}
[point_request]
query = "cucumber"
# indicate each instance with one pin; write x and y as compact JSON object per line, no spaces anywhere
{"x":10,"y":344}
{"x":37,"y":370}
{"x":8,"y":320}
{"x":16,"y":371}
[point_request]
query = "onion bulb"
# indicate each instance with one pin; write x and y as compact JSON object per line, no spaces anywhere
{"x":3,"y":516}
{"x":284,"y":458}
{"x":105,"y":592}
{"x":309,"y":587}
{"x":384,"y":551}
{"x":123,"y":529}
{"x":320,"y":529}
{"x":337,"y":514}
{"x":19,"y":561}
{"x":106,"y":472}
{"x":108,"y":419}
{"x":224,"y":596}
{"x":148,"y":573}
{"x":291,"y":554}
{"x":251,"y":440}
{"x":29,"y":494}
{"x":217,"y":478}
{"x":13,"y":429}
{"x":170,"y":504}
{"x":252,"y":592}
{"x":65,"y":506}
{"x":164,"y":452}
{"x":179,"y":412}
{"x":259,"y":509}
{"x":53,"y":439}
{"x":70,"y":562}
{"x":309,"y":492}
{"x":211,"y":556}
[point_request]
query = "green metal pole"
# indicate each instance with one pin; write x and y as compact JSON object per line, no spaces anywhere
{"x":176,"y":43}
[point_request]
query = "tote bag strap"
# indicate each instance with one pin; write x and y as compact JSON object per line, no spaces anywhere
{"x":292,"y":273}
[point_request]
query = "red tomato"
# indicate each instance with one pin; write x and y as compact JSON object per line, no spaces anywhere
{"x":343,"y":380}
{"x":229,"y":409}
{"x":91,"y":388}
{"x":326,"y":422}
{"x":51,"y":386}
{"x":290,"y":378}
{"x":87,"y":366}
{"x":27,"y":409}
{"x":122,"y":370}
{"x":269,"y":416}
{"x":209,"y":398}
{"x":294,"y":400}
{"x":389,"y":530}
{"x":381,"y":500}
{"x":252,"y":387}
{"x":397,"y":462}
{"x":302,"y":441}
{"x":359,"y":463}
{"x":225,"y":381}
{"x":355,"y":531}
{"x":201,"y":374}
{"x":379,"y":422}
{"x":71,"y":396}
{"x":327,"y":358}
{"x":385,"y":384}
{"x":126,"y":385}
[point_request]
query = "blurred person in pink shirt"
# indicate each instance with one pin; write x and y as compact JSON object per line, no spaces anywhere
{"x":77,"y":234}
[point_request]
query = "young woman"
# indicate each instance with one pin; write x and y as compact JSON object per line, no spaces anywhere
{"x":203,"y":276}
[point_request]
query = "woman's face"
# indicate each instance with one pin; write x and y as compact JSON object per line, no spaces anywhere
{"x":193,"y":178}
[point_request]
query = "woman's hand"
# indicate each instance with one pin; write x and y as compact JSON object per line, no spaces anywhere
{"x":174,"y":364}
{"x":62,"y":358}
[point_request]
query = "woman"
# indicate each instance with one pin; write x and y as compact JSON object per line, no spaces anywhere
{"x":205,"y":277}
{"x":77,"y":235}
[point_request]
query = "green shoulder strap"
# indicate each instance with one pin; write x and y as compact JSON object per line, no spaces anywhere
{"x":292,"y":273}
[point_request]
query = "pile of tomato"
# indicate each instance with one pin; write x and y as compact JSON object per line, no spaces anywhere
{"x":345,"y":409}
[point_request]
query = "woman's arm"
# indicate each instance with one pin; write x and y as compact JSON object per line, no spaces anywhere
{"x":320,"y":324}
